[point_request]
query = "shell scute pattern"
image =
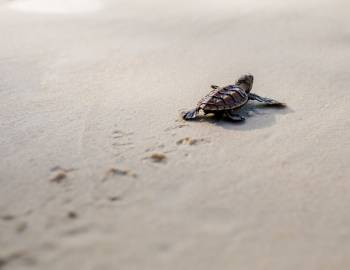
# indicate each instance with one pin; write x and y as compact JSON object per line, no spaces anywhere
{"x":224,"y":98}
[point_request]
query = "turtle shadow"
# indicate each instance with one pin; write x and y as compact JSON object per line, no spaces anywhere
{"x":257,"y":116}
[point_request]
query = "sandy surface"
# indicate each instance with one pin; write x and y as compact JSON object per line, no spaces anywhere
{"x":89,"y":95}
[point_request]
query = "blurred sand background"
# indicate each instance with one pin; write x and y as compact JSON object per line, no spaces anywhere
{"x":89,"y":90}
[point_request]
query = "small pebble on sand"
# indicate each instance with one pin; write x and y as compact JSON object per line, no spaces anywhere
{"x":158,"y":157}
{"x":7,"y":217}
{"x":21,"y":227}
{"x":190,"y":141}
{"x":115,"y":198}
{"x":72,"y":215}
{"x":59,"y":177}
{"x":116,"y":171}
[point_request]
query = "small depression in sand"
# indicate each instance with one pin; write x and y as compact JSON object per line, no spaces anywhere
{"x":56,"y":6}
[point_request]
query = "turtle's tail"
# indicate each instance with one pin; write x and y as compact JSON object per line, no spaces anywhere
{"x":190,"y":115}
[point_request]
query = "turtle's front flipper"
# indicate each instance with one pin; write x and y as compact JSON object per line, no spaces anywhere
{"x":190,"y":115}
{"x":268,"y":101}
{"x":234,"y":116}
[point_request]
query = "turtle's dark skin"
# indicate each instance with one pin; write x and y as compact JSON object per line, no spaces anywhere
{"x":225,"y":101}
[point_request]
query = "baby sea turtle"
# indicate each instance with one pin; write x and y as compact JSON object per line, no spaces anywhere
{"x":226,"y":100}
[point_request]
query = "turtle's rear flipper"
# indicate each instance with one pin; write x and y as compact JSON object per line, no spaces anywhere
{"x":234,"y":116}
{"x":268,"y":101}
{"x":190,"y":115}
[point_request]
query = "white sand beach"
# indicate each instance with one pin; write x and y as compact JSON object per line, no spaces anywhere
{"x":91,"y":90}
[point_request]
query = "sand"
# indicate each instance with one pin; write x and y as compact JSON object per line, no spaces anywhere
{"x":98,"y":171}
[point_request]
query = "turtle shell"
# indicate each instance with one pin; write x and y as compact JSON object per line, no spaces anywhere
{"x":224,"y":98}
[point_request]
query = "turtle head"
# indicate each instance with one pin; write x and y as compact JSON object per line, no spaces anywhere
{"x":246,"y":82}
